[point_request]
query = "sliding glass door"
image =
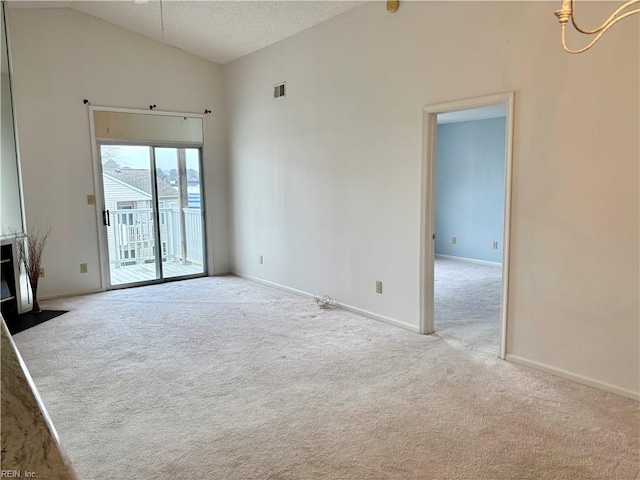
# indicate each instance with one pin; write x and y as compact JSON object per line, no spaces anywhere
{"x":152,"y":215}
{"x":181,"y":222}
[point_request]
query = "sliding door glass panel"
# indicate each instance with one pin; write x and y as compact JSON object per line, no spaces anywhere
{"x":179,"y":203}
{"x":129,"y":216}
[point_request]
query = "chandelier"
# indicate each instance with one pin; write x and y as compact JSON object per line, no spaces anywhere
{"x":568,"y":12}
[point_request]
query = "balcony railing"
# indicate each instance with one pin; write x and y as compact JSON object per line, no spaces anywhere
{"x":132,"y":239}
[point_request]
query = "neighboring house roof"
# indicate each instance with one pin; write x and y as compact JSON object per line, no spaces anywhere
{"x":141,"y":179}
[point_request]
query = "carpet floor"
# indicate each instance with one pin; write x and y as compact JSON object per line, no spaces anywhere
{"x":222,"y":378}
{"x":467,"y":303}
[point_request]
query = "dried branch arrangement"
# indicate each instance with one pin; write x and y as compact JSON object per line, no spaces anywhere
{"x":31,"y":255}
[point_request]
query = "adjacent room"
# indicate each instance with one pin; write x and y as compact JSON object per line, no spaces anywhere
{"x":320,"y":240}
{"x":469,"y":224}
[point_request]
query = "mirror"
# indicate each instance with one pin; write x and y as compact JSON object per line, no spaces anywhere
{"x":10,"y":200}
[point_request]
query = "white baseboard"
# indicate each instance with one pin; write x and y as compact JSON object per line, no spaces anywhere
{"x":100,"y":290}
{"x":380,"y":318}
{"x":471,"y":260}
{"x":344,"y":306}
{"x":558,"y":372}
{"x":68,"y":294}
{"x":220,"y":274}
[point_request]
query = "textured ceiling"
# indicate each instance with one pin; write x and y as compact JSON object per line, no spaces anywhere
{"x":215,"y":30}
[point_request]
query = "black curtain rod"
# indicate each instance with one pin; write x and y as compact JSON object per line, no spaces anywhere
{"x":151,"y":107}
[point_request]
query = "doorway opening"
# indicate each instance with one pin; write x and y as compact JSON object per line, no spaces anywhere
{"x":466,"y":213}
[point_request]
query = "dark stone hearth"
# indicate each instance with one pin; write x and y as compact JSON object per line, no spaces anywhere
{"x":28,"y":320}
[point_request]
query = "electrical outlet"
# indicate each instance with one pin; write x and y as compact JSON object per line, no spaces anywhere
{"x":495,"y":245}
{"x":454,"y":240}
{"x":261,"y":260}
{"x":378,"y":286}
{"x":91,"y":199}
{"x":41,"y":273}
{"x":83,"y":268}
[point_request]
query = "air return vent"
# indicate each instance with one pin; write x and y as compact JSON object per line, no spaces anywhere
{"x":279,"y":90}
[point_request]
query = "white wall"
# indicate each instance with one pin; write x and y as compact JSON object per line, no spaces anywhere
{"x":61,"y":57}
{"x":326,"y":182}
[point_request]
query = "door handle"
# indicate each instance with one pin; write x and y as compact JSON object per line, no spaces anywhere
{"x":105,"y":218}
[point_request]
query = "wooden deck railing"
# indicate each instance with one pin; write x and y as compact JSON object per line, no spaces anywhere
{"x":132,"y":239}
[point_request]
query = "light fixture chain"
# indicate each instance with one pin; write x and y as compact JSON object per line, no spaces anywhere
{"x":161,"y":21}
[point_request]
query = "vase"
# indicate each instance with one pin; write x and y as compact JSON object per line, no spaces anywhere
{"x":34,"y":291}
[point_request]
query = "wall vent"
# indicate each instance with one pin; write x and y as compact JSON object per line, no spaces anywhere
{"x":279,"y":90}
